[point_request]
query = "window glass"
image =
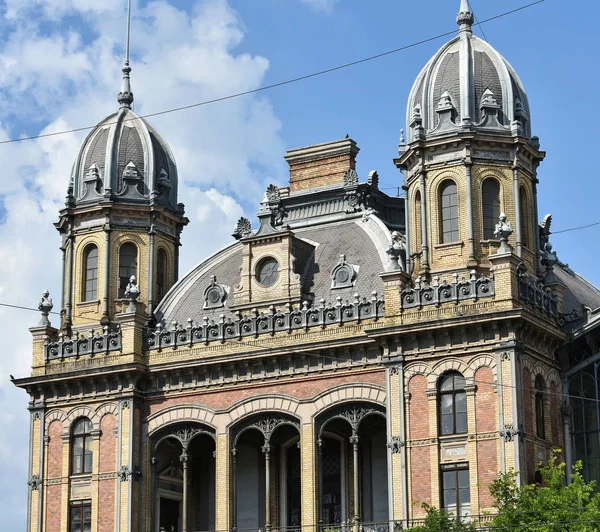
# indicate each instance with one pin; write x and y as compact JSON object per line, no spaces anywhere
{"x":456,"y":494}
{"x":161,"y":280}
{"x":81,"y":447}
{"x":490,"y":200}
{"x":91,"y":274}
{"x":449,"y":212}
{"x":128,"y":263}
{"x":452,"y":404}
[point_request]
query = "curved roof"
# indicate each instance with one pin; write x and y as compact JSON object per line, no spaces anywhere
{"x":468,"y":77}
{"x":364,"y":244}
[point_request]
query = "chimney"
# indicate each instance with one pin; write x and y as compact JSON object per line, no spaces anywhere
{"x":321,"y":164}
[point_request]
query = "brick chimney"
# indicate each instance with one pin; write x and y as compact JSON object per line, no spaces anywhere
{"x":321,"y":164}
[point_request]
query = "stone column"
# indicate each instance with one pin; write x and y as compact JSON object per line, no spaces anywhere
{"x":320,"y":482}
{"x":356,"y":484}
{"x":184,"y":517}
{"x":471,"y":446}
{"x":151,"y":268}
{"x":266,"y":449}
{"x":154,"y":501}
{"x":95,"y":491}
{"x":308,"y":468}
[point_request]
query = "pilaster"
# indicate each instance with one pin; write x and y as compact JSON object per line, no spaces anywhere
{"x":308,"y":466}
{"x":223,"y":483}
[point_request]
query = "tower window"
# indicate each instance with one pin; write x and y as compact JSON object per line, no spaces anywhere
{"x":522,"y":216}
{"x":452,"y":404}
{"x":128,"y":263}
{"x":539,"y":407}
{"x":161,"y":275}
{"x":449,"y":212}
{"x":490,"y":200}
{"x":81,"y":448}
{"x":418,"y":231}
{"x":81,"y":518}
{"x":456,"y":492}
{"x":91,"y":274}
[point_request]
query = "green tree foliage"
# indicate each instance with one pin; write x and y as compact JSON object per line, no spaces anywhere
{"x":438,"y":520}
{"x":554,"y":506}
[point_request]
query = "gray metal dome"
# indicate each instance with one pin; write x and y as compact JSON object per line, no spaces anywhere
{"x":467,"y":83}
{"x":124,"y":159}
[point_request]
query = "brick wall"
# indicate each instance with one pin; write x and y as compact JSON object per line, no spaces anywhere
{"x":107,"y":464}
{"x":54,"y":491}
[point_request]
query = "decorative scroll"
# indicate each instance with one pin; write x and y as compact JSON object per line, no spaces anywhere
{"x":533,"y":291}
{"x":438,"y":292}
{"x":95,"y":343}
{"x":266,"y":426}
{"x":257,"y":324}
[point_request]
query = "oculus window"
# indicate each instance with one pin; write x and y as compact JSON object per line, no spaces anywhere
{"x":267,"y":272}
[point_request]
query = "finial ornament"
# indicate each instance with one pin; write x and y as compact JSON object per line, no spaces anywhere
{"x":125,"y":97}
{"x":503,"y":231}
{"x":132,"y":292}
{"x":45,"y":307}
{"x":465,"y":17}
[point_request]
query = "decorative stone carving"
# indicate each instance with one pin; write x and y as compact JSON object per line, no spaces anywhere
{"x":34,"y":483}
{"x":509,"y":432}
{"x":373,"y":179}
{"x":109,"y":339}
{"x":396,"y":444}
{"x":45,"y":307}
{"x":502,"y":231}
{"x":271,"y":322}
{"x":132,"y":292}
{"x":395,"y":251}
{"x":343,"y":274}
{"x":367,"y":214}
{"x":272,"y":193}
{"x":214,"y":294}
{"x":242,"y":228}
{"x":92,"y":181}
{"x":350,"y":177}
{"x":125,"y":473}
{"x":353,"y":414}
{"x":545,"y":230}
{"x":423,"y":294}
{"x":534,"y":292}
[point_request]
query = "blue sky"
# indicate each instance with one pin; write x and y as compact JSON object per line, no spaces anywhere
{"x":60,"y":64}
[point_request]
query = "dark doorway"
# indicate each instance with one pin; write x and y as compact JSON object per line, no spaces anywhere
{"x":293,"y":487}
{"x":169,"y":515}
{"x":332,"y":481}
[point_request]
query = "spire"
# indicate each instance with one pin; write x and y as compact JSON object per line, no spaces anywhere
{"x":125,"y":97}
{"x":465,"y":17}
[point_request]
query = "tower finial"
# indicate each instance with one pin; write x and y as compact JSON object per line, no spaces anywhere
{"x":465,"y":17}
{"x":125,"y":97}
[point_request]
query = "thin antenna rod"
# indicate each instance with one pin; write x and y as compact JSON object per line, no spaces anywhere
{"x":128,"y":32}
{"x":125,"y":97}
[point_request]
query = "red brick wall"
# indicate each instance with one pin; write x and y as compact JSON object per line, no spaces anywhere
{"x":300,"y":388}
{"x":420,"y":472}
{"x":319,"y":173}
{"x":528,"y":400}
{"x":485,"y":401}
{"x":487,"y":470}
{"x":107,"y":464}
{"x":53,"y":492}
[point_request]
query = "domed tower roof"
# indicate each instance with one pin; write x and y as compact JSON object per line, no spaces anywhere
{"x":124,"y":159}
{"x":467,"y":83}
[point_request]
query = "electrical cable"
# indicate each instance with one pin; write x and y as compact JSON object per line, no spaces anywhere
{"x":278,"y":84}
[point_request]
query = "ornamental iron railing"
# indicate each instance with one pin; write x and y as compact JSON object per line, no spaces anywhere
{"x":93,"y":343}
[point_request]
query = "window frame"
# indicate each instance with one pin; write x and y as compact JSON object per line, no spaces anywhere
{"x":90,"y":295}
{"x":131,"y":270}
{"x":490,"y":211}
{"x":161,"y":274}
{"x":453,"y":393}
{"x":523,"y":210}
{"x":451,"y":236}
{"x":455,"y":470}
{"x":540,"y":418}
{"x":79,"y":462}
{"x":80,"y":508}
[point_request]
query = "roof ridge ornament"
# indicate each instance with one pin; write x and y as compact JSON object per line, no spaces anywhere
{"x":465,"y":17}
{"x":125,"y":97}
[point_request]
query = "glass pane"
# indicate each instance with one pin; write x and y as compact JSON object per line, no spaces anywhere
{"x":446,"y":383}
{"x":464,"y":495}
{"x":461,"y":422}
{"x":463,"y":479}
{"x":459,"y":381}
{"x":77,"y":464}
{"x":446,"y":401}
{"x":76,"y":520}
{"x":461,"y":402}
{"x":87,"y":518}
{"x":447,"y":424}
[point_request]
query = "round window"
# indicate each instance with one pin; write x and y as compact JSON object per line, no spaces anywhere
{"x":267,"y":272}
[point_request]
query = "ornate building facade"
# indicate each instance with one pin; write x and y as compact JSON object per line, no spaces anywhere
{"x":350,"y":354}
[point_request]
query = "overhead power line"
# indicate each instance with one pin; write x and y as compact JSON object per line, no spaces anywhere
{"x":281,"y":83}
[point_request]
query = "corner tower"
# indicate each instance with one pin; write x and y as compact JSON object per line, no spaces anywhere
{"x":121,"y":217}
{"x":469,"y":157}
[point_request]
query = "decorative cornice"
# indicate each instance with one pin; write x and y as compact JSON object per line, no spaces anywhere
{"x":95,"y":343}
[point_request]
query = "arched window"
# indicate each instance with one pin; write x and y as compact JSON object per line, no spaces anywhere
{"x":490,"y":201}
{"x":128,"y":262}
{"x":449,"y":212}
{"x":417,"y":238}
{"x":539,"y":407}
{"x":161,"y":274}
{"x":81,"y":447}
{"x":523,"y":210}
{"x":452,"y":404}
{"x":91,"y":274}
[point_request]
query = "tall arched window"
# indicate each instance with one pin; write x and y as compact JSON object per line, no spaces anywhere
{"x":449,"y":212}
{"x":452,"y":404}
{"x":161,"y":274}
{"x":539,"y":407}
{"x":81,"y":447}
{"x":523,"y":210}
{"x":417,"y":237}
{"x":90,"y":291}
{"x":128,"y":262}
{"x":490,"y":201}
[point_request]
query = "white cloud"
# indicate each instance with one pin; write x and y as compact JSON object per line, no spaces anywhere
{"x":52,"y":79}
{"x":326,"y":6}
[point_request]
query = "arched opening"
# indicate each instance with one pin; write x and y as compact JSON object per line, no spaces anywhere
{"x":183,"y":480}
{"x":490,"y":203}
{"x":266,"y":473}
{"x":417,"y":239}
{"x":90,"y":281}
{"x":161,"y":275}
{"x":81,"y":447}
{"x":128,"y":263}
{"x":540,"y":422}
{"x":448,"y":212}
{"x":524,"y":218}
{"x":353,"y":467}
